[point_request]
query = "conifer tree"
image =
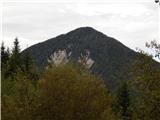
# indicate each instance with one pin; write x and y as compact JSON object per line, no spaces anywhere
{"x":16,"y":51}
{"x":29,"y":66}
{"x":4,"y":55}
{"x":28,"y":62}
{"x":123,"y":102}
{"x":14,"y":63}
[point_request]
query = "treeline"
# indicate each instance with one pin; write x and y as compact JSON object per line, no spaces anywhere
{"x":71,"y":92}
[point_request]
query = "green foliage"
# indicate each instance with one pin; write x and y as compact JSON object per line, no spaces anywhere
{"x":69,"y":93}
{"x":64,"y":93}
{"x":28,"y":62}
{"x":29,"y":67}
{"x":123,"y":102}
{"x":4,"y":55}
{"x":18,"y":102}
{"x":18,"y":81}
{"x":147,"y":85}
{"x":14,"y":63}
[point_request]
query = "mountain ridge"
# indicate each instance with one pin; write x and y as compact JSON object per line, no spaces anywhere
{"x":81,"y":28}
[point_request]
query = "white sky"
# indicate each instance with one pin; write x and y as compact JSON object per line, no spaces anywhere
{"x":133,"y":22}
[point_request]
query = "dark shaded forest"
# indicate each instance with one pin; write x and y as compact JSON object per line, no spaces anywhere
{"x":72,"y":92}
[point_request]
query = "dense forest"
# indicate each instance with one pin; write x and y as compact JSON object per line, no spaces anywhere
{"x":72,"y":92}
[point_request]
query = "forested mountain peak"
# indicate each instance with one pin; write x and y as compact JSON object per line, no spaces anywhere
{"x":105,"y":55}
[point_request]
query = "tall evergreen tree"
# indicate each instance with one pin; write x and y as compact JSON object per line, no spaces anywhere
{"x":14,"y":63}
{"x":16,"y":51}
{"x":28,"y":62}
{"x":29,"y":66}
{"x":4,"y":55}
{"x":123,"y":102}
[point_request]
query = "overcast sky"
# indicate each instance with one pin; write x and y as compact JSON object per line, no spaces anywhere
{"x":133,"y":22}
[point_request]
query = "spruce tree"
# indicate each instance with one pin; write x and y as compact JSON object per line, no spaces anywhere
{"x":4,"y":55}
{"x":28,"y":62}
{"x":29,"y":66}
{"x":14,"y":64}
{"x":16,"y":51}
{"x":123,"y":102}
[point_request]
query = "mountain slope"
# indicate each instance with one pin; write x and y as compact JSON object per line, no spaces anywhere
{"x":111,"y":58}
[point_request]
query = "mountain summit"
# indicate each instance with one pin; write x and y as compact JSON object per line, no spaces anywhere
{"x":104,"y":55}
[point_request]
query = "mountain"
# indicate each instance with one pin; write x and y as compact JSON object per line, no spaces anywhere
{"x":108,"y":57}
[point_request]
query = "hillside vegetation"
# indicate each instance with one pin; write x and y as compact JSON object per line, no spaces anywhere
{"x":70,"y":91}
